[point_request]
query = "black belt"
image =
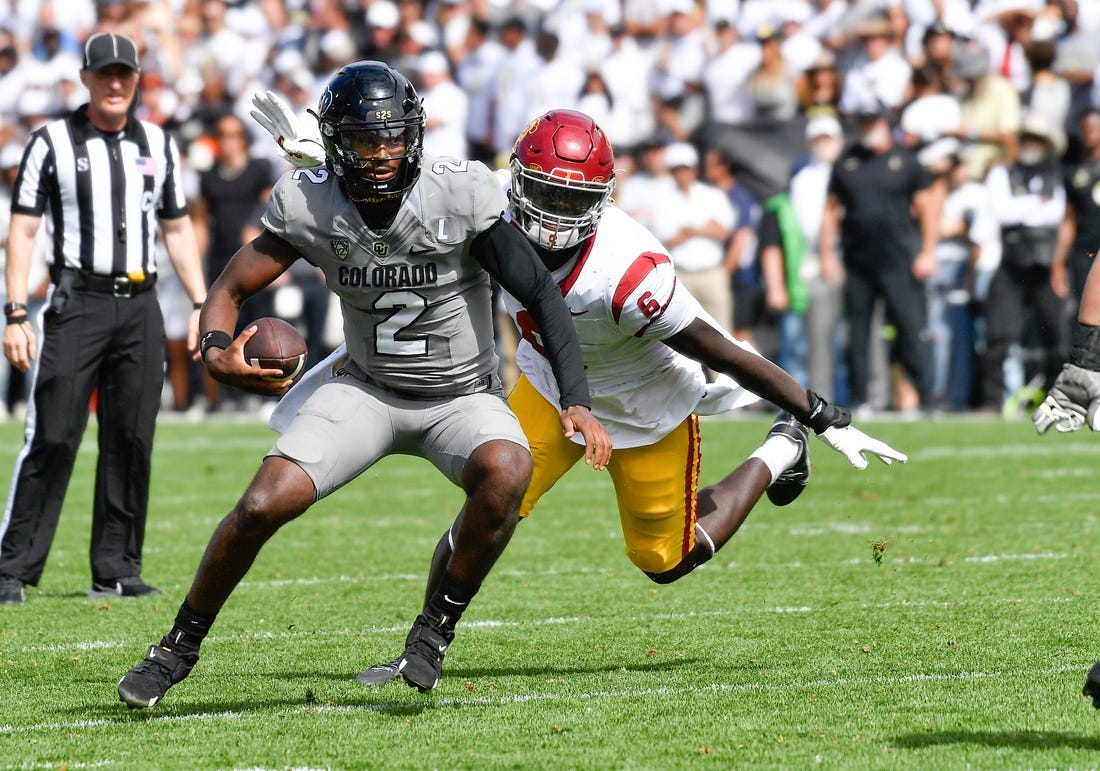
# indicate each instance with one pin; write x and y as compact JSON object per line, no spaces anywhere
{"x":119,"y":286}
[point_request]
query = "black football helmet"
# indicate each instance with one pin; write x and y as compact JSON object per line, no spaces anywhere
{"x":368,"y":103}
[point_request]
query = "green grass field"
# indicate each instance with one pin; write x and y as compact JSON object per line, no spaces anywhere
{"x":936,"y":615}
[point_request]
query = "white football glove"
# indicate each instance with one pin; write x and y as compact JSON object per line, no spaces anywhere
{"x":1072,"y":402}
{"x":852,"y":443}
{"x":298,"y":144}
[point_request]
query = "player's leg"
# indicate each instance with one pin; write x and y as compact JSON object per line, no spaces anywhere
{"x":780,"y":467}
{"x":671,"y":528}
{"x":339,"y":432}
{"x":279,"y":492}
{"x":495,"y":479}
{"x":552,"y":455}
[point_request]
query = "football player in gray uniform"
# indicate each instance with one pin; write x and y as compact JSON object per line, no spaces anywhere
{"x":408,"y":244}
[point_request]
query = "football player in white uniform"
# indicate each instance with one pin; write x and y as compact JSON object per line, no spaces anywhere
{"x":643,"y":338}
{"x":408,"y":244}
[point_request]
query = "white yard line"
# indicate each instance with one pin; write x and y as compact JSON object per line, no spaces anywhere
{"x":91,"y":645}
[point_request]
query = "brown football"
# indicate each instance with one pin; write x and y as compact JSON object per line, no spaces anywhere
{"x":276,"y":345}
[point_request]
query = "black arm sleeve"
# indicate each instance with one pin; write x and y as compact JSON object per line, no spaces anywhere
{"x":507,"y":256}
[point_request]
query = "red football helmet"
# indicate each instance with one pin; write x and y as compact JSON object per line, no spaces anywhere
{"x":563,"y":172}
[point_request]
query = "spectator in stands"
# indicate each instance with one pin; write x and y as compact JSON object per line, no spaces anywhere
{"x":772,"y":84}
{"x":446,"y":106}
{"x":740,"y":259}
{"x":726,"y":76}
{"x":557,"y":81}
{"x":1029,"y":202}
{"x":806,"y":300}
{"x":640,"y":193}
{"x":819,"y":86}
{"x":931,"y":111}
{"x":694,"y":219}
{"x":229,"y":194}
{"x":875,"y":189}
{"x":1049,"y":95}
{"x":516,"y":69}
{"x":880,"y":73}
{"x":625,"y":71}
{"x":477,"y":74}
{"x":990,"y":111}
{"x":967,"y":252}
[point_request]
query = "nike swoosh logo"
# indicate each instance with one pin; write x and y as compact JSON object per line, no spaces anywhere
{"x":414,"y":251}
{"x":575,"y":313}
{"x":442,"y":648}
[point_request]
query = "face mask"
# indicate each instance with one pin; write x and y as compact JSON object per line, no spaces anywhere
{"x":1030,"y":156}
{"x":825,"y":151}
{"x":875,"y":138}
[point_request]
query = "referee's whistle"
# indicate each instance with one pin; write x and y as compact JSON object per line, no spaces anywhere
{"x":136,"y":276}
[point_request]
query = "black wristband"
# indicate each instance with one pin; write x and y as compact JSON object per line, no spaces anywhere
{"x":215,"y":338}
{"x":12,"y":308}
{"x":824,"y":415}
{"x":196,"y":306}
{"x":20,"y":319}
{"x":1085,"y":350}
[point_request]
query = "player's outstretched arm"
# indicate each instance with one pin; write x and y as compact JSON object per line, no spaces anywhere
{"x":704,"y":343}
{"x":298,"y":144}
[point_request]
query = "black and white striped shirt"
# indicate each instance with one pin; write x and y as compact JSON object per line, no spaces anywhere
{"x":101,"y":193}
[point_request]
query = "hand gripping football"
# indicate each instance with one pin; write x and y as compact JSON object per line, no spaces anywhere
{"x":276,"y":345}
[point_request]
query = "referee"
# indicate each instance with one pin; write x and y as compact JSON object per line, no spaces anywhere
{"x":104,"y":182}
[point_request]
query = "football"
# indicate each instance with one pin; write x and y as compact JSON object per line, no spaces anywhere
{"x":276,"y":345}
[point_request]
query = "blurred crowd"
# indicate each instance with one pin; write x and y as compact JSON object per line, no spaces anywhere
{"x":896,"y":200}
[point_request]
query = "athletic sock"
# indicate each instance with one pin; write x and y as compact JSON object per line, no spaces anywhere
{"x":189,"y":631}
{"x":448,"y":603}
{"x":778,"y":453}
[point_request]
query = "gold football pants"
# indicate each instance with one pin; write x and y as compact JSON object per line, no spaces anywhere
{"x":655,"y":485}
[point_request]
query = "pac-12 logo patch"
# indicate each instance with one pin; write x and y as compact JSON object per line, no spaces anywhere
{"x":341,"y":247}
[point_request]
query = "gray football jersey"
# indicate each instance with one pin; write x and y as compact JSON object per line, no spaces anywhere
{"x":418,"y":315}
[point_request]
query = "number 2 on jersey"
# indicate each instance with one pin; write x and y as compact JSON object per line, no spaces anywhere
{"x":391,"y":337}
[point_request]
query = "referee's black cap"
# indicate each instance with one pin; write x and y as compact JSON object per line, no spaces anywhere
{"x":107,"y":48}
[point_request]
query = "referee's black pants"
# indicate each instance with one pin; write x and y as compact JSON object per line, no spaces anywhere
{"x":906,"y":309}
{"x":115,"y":344}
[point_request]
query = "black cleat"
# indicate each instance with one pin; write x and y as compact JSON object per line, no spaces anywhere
{"x":380,"y":674}
{"x":421,"y":665}
{"x":1092,"y":685}
{"x":144,"y":685}
{"x":790,"y":484}
{"x":128,"y":586}
{"x":11,"y":591}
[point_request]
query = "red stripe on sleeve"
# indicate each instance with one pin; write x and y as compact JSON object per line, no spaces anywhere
{"x":641,"y":267}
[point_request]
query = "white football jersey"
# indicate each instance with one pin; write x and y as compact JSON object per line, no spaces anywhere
{"x":416,"y":304}
{"x":624,"y":297}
